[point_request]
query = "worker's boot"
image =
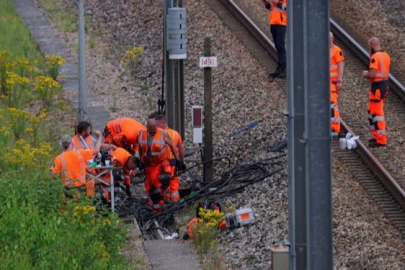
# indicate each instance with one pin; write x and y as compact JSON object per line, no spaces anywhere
{"x":283,"y":73}
{"x":276,"y":73}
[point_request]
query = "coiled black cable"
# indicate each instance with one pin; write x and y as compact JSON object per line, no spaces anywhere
{"x":230,"y":182}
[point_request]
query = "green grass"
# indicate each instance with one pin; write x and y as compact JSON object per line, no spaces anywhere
{"x":61,"y":13}
{"x":14,"y":34}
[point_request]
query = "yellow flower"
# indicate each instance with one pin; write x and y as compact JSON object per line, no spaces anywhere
{"x":13,"y":79}
{"x":54,"y":60}
{"x":106,"y":222}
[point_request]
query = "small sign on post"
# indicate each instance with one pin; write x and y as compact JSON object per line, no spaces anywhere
{"x":206,"y":62}
{"x":197,"y":124}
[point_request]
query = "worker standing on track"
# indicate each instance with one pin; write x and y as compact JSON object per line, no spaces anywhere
{"x":173,"y":193}
{"x":83,"y":138}
{"x":336,"y":82}
{"x":278,"y":29}
{"x":153,"y":144}
{"x":71,"y":164}
{"x":123,"y":132}
{"x":377,"y":74}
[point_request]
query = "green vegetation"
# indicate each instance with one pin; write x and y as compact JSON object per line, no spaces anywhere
{"x":61,"y":14}
{"x":14,"y":34}
{"x":205,"y":239}
{"x":39,"y":231}
{"x":40,"y":228}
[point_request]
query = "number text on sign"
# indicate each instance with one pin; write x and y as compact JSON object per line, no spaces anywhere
{"x":208,"y":62}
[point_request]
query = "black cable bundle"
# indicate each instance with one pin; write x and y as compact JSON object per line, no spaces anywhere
{"x":232,"y":181}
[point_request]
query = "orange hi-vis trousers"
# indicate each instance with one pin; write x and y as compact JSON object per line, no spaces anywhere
{"x":376,"y":98}
{"x":172,"y":193}
{"x":335,"y":114}
{"x":153,"y":186}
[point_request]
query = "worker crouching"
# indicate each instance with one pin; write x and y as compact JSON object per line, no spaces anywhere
{"x":123,"y":132}
{"x":154,"y":154}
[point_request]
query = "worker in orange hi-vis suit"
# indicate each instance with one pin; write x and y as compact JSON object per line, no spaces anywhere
{"x":377,"y":74}
{"x":121,"y":159}
{"x":123,"y":132}
{"x":172,"y":193}
{"x":71,"y":164}
{"x":153,"y":144}
{"x":336,"y":82}
{"x":278,"y":29}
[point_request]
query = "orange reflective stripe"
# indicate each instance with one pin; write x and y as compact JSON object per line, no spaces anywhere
{"x":68,"y":181}
{"x":277,"y":15}
{"x":63,"y":161}
{"x":162,"y":143}
{"x":140,"y":138}
{"x":382,"y":73}
{"x":174,"y":194}
{"x":334,"y":68}
{"x":82,"y":177}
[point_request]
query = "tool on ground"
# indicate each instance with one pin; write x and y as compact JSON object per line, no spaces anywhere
{"x":241,"y":217}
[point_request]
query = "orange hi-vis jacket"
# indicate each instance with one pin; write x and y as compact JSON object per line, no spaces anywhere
{"x":124,"y":127}
{"x":120,"y":156}
{"x":176,"y":138}
{"x":278,"y":13}
{"x":380,"y":61}
{"x":158,"y":151}
{"x":119,"y":159}
{"x":71,"y":165}
{"x":336,"y":56}
{"x":89,"y":141}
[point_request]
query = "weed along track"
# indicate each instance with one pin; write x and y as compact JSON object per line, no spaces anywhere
{"x":365,"y":165}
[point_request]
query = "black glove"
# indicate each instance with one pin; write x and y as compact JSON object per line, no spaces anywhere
{"x":180,"y":166}
{"x":183,"y":166}
{"x":164,"y":179}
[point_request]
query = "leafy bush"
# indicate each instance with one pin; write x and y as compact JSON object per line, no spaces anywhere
{"x":17,"y":121}
{"x":131,"y":59}
{"x":39,"y":227}
{"x":42,"y":230}
{"x":53,"y":64}
{"x":205,"y":233}
{"x":16,"y":89}
{"x":46,"y":88}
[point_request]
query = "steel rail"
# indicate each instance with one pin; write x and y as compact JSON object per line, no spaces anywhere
{"x":363,"y":152}
{"x":251,"y":27}
{"x":377,"y":168}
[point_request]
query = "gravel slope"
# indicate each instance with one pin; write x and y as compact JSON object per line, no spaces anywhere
{"x":241,"y":94}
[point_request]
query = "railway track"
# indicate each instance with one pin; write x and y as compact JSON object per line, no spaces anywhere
{"x":365,"y":166}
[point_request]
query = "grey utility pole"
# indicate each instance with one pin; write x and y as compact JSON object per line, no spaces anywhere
{"x":82,"y":67}
{"x":296,"y":144}
{"x":310,"y":194}
{"x":175,"y":50}
{"x":317,"y":134}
